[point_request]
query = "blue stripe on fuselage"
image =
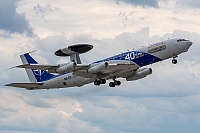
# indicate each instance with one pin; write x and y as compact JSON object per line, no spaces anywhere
{"x":140,"y":58}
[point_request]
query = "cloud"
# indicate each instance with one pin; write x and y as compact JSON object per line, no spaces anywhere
{"x":41,"y":10}
{"x":143,"y":114}
{"x":155,"y":3}
{"x":11,"y":21}
{"x":166,"y":101}
{"x":108,"y":20}
{"x":16,"y":112}
{"x":189,"y":3}
{"x":157,"y":103}
{"x":149,"y":3}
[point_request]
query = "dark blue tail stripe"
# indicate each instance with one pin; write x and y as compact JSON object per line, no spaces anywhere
{"x":29,"y":59}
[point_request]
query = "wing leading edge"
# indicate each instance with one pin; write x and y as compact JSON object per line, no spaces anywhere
{"x":36,"y":66}
{"x":51,"y":68}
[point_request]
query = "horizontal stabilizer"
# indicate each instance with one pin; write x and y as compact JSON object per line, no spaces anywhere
{"x":28,"y":86}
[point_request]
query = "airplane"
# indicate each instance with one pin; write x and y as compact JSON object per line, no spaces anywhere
{"x":129,"y":65}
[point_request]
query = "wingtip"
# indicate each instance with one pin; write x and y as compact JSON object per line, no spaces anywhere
{"x":11,"y":68}
{"x":7,"y":85}
{"x":19,"y":66}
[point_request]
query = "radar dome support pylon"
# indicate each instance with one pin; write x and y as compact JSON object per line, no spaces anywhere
{"x":73,"y":51}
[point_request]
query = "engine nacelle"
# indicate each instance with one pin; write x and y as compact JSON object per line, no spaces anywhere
{"x":140,"y":73}
{"x":66,"y":68}
{"x":98,"y":68}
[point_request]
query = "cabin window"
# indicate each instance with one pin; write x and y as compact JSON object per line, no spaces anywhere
{"x":180,"y":40}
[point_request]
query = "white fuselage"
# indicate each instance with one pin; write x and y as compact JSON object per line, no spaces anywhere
{"x":141,"y":57}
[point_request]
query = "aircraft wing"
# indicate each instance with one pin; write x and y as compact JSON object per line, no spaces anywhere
{"x":112,"y":70}
{"x":28,"y":86}
{"x":118,"y":70}
{"x":51,"y":68}
{"x":84,"y":73}
{"x":40,"y":67}
{"x":116,"y":67}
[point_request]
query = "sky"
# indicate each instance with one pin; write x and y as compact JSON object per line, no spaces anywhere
{"x":166,"y":101}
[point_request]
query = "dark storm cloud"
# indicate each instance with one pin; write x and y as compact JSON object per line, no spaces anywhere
{"x":11,"y":21}
{"x":149,"y":3}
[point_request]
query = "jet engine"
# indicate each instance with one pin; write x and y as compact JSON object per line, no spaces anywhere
{"x":98,"y":68}
{"x":66,"y":68}
{"x":140,"y":73}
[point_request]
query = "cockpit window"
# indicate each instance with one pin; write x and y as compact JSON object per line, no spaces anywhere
{"x":180,"y":40}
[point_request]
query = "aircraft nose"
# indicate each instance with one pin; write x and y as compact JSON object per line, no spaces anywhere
{"x":188,"y":43}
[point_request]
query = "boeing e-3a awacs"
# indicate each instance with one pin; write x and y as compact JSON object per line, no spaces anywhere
{"x":128,"y":65}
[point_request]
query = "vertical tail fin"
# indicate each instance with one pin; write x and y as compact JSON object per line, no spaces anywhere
{"x":35,"y":75}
